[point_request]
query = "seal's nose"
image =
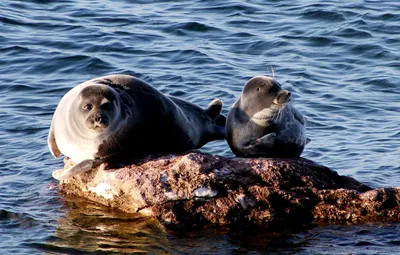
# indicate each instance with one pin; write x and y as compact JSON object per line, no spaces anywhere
{"x":289,"y":96}
{"x":101,"y":119}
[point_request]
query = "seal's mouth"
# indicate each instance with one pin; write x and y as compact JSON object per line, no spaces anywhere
{"x":282,"y":98}
{"x":285,"y":103}
{"x":99,"y":127}
{"x":97,"y":122}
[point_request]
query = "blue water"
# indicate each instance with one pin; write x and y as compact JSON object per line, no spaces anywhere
{"x":341,"y":59}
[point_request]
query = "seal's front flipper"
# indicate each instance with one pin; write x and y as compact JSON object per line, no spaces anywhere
{"x":214,"y":109}
{"x":80,"y":168}
{"x":266,"y":141}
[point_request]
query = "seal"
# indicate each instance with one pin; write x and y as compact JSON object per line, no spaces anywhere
{"x":263,"y":122}
{"x":119,"y":117}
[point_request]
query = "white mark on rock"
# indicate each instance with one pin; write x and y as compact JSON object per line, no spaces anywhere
{"x":171,"y":195}
{"x":163,"y":178}
{"x":222,"y":172}
{"x":205,"y":192}
{"x":104,"y":190}
{"x":369,"y":195}
{"x":244,"y":201}
{"x":147,"y":212}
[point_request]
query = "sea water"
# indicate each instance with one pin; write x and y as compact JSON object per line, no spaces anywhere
{"x":340,"y":59}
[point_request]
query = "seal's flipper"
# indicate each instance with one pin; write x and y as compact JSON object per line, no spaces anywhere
{"x":267,"y":141}
{"x":51,"y":142}
{"x":214,"y":109}
{"x":57,"y":174}
{"x":308,"y":140}
{"x":80,"y":168}
{"x":220,"y":121}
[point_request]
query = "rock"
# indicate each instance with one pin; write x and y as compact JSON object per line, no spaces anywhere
{"x":197,"y":190}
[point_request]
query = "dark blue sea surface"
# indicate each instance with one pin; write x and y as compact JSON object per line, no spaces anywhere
{"x":341,"y":59}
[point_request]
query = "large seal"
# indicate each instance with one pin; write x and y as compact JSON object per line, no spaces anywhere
{"x":120,"y":117}
{"x":263,"y":122}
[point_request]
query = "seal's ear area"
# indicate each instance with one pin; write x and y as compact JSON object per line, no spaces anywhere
{"x":214,"y":109}
{"x":51,"y":142}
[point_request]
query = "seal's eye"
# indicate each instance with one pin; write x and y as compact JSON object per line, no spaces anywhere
{"x":88,"y":107}
{"x":107,"y":106}
{"x":258,"y":88}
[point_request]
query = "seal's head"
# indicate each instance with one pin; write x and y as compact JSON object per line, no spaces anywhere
{"x":263,"y":92}
{"x":87,"y":121}
{"x":98,"y":106}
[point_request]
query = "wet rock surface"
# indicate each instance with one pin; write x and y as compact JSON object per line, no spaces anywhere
{"x":197,"y":190}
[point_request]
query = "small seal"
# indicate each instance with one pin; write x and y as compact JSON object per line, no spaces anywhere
{"x":119,"y":118}
{"x":263,"y":122}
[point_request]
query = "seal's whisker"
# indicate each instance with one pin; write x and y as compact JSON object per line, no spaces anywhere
{"x":114,"y":138}
{"x":273,"y":72}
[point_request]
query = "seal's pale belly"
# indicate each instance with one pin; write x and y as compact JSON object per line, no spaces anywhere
{"x":79,"y":149}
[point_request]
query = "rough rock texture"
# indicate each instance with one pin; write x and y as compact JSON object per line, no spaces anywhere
{"x":196,"y":190}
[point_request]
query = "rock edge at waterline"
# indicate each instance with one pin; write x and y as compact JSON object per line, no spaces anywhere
{"x":196,"y":190}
